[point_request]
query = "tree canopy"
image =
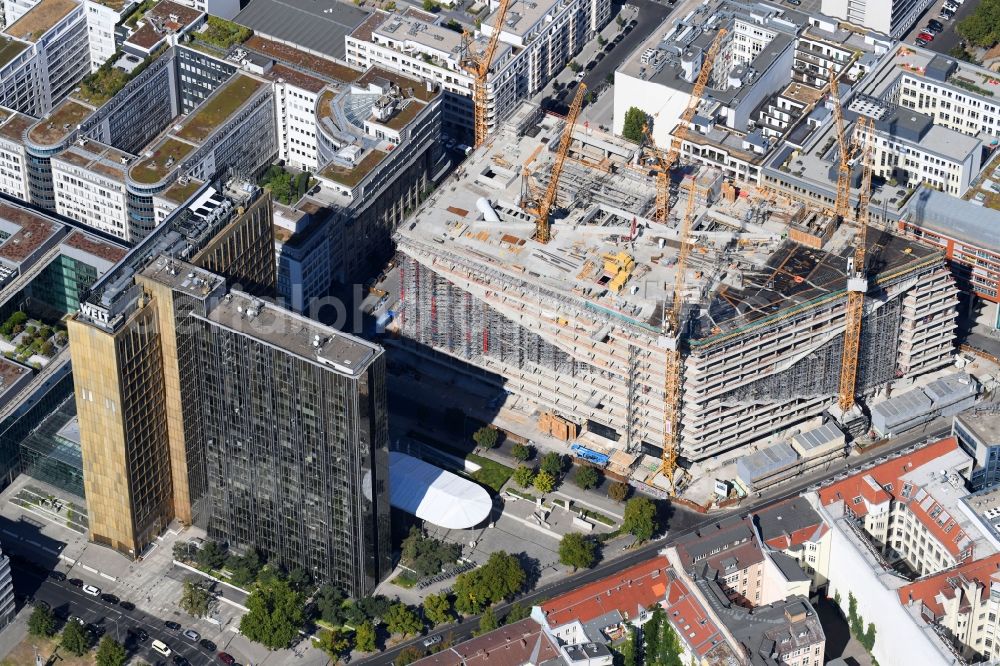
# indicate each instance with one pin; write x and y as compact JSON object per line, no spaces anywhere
{"x":633,"y":127}
{"x":74,"y":639}
{"x":437,"y":609}
{"x":524,"y":476}
{"x":544,"y":482}
{"x":401,"y":620}
{"x":577,"y":551}
{"x":364,"y":637}
{"x":500,"y":578}
{"x":41,"y":623}
{"x":982,"y":26}
{"x":618,"y":491}
{"x":275,"y":615}
{"x":587,"y":477}
{"x":426,"y":555}
{"x":111,"y":653}
{"x":195,"y":599}
{"x":486,"y":437}
{"x":640,"y":518}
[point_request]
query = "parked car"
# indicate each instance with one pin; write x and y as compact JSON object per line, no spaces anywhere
{"x":161,"y":647}
{"x":192,"y":635}
{"x":431,"y":640}
{"x":96,"y":630}
{"x":170,"y":624}
{"x":936,"y":24}
{"x":127,"y":605}
{"x":140,"y":633}
{"x":931,"y":29}
{"x":76,"y":582}
{"x":926,"y":36}
{"x":208,"y":645}
{"x":181,"y":661}
{"x":92,"y":590}
{"x":226,"y":658}
{"x":110,"y":598}
{"x":920,"y":42}
{"x":57,"y":575}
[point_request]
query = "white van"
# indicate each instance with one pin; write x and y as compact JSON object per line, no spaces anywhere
{"x":161,"y":647}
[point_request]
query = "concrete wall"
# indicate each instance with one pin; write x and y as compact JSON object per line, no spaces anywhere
{"x":664,"y":105}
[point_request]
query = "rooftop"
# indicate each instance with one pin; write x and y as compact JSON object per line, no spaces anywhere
{"x":292,"y":333}
{"x":96,"y":157}
{"x":315,"y":25}
{"x":515,"y":644}
{"x":297,"y":78}
{"x":955,"y":218}
{"x":10,"y":49}
{"x":789,"y":524}
{"x":409,"y":86}
{"x":720,"y":549}
{"x":64,"y":119}
{"x":984,"y":422}
{"x":165,"y":18}
{"x":40,"y":19}
{"x":95,"y":246}
{"x":323,"y":67}
{"x":15,"y":125}
{"x":628,"y":591}
{"x":915,"y":480}
{"x":10,"y":373}
{"x":436,"y":495}
{"x":32,"y":231}
{"x":932,"y":591}
{"x":223,"y":103}
{"x":154,"y":168}
{"x":350,"y":177}
{"x":692,"y":621}
{"x":180,"y":192}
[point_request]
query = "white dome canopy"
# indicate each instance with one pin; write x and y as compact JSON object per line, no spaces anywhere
{"x":436,"y":495}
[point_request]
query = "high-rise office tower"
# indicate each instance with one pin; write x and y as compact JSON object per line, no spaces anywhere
{"x":202,"y":403}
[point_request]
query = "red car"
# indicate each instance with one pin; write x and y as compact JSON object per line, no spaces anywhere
{"x":926,"y":36}
{"x":227,"y":658}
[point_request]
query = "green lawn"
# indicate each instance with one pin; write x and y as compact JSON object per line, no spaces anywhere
{"x":492,"y":474}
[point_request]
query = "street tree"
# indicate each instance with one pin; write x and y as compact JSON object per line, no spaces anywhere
{"x":587,"y":477}
{"x":553,"y":463}
{"x":640,"y":518}
{"x":488,"y":621}
{"x":524,"y":476}
{"x":500,"y":578}
{"x":544,"y":482}
{"x":364,"y":637}
{"x":618,"y":491}
{"x":401,"y":620}
{"x":522,"y":452}
{"x":211,"y":556}
{"x":336,"y":643}
{"x":195,"y":600}
{"x":486,"y":437}
{"x":407,"y":656}
{"x":634,"y":125}
{"x":437,"y":609}
{"x":329,"y":602}
{"x":275,"y":615}
{"x":42,"y":623}
{"x":74,"y":639}
{"x":111,"y":653}
{"x":577,"y":551}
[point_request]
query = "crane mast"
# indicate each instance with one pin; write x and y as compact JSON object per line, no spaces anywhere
{"x":857,"y":283}
{"x":479,"y":67}
{"x":544,"y":205}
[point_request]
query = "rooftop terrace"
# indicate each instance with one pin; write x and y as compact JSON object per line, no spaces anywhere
{"x":350,"y":177}
{"x":40,"y":19}
{"x":223,"y":103}
{"x":327,"y":69}
{"x":9,"y":49}
{"x":60,"y":123}
{"x":180,"y":192}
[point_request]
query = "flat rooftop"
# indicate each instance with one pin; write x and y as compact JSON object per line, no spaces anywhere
{"x":180,"y":192}
{"x":523,"y":15}
{"x":298,"y":335}
{"x":54,"y":128}
{"x":165,"y":18}
{"x":984,"y":422}
{"x":96,"y":157}
{"x":410,"y":29}
{"x":32,"y":231}
{"x":223,"y":103}
{"x":315,"y":25}
{"x":10,"y":49}
{"x":284,"y":53}
{"x":94,"y":246}
{"x":165,"y":157}
{"x":10,"y":373}
{"x":40,"y":19}
{"x":14,"y":125}
{"x":351,"y":176}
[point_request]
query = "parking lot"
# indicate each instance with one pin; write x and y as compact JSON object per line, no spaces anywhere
{"x":948,"y":38}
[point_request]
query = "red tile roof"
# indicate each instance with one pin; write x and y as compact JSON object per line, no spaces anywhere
{"x":513,"y":645}
{"x":689,"y":618}
{"x":948,"y":583}
{"x":884,"y":483}
{"x":639,"y":586}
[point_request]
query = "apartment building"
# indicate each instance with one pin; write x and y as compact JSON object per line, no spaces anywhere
{"x":908,"y":507}
{"x":536,"y":41}
{"x":102,"y":18}
{"x":890,"y":17}
{"x":793,"y":527}
{"x":43,"y":55}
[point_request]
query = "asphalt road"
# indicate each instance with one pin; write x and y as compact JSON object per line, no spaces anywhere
{"x":949,"y":38}
{"x":463,"y":631}
{"x":66,"y":600}
{"x":650,"y":18}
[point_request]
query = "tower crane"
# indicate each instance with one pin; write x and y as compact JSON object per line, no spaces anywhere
{"x":543,"y":207}
{"x":857,"y":282}
{"x":672,"y":377}
{"x":843,"y":201}
{"x":668,"y":161}
{"x":479,"y":66}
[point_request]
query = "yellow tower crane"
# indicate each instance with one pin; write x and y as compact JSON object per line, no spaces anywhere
{"x":543,"y":206}
{"x":842,"y":203}
{"x":668,"y":161}
{"x":673,"y":375}
{"x":479,"y":66}
{"x":857,"y":282}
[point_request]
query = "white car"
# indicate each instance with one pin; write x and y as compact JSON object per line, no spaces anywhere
{"x":91,"y":590}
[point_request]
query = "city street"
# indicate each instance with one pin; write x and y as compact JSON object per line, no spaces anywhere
{"x":948,"y":38}
{"x":463,"y":631}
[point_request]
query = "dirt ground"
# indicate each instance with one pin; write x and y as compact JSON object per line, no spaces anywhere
{"x":24,"y":653}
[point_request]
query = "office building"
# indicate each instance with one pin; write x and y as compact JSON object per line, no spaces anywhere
{"x":7,"y":603}
{"x":978,"y":433}
{"x":102,"y":18}
{"x":889,"y":17}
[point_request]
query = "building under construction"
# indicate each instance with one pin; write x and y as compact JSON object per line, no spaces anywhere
{"x":576,"y":325}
